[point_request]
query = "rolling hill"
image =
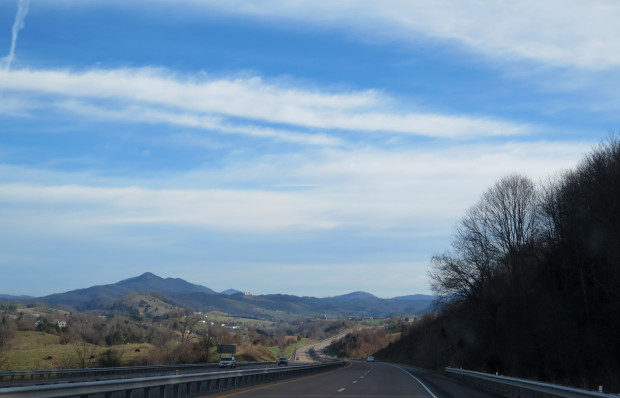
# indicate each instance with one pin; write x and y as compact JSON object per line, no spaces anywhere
{"x":270,"y":306}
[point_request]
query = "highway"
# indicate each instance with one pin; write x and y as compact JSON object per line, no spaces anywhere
{"x":361,"y":379}
{"x":356,"y":378}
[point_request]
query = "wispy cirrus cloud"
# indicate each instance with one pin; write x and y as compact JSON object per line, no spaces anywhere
{"x":555,"y":32}
{"x":149,"y":115}
{"x":22,"y":10}
{"x":218,"y":104}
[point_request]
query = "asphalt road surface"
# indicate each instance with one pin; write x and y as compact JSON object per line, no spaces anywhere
{"x":303,"y":354}
{"x":361,"y":379}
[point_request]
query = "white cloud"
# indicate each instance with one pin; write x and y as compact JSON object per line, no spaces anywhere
{"x":84,"y":206}
{"x":144,"y":114}
{"x":22,"y":10}
{"x":583,"y":34}
{"x":148,"y":94}
{"x":367,"y":189}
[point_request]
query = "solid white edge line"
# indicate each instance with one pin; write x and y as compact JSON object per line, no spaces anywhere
{"x":416,"y":379}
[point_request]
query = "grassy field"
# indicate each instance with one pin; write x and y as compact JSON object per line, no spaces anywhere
{"x":221,"y":317}
{"x":29,"y":350}
{"x":288,"y":350}
{"x":43,"y":351}
{"x":275,"y":351}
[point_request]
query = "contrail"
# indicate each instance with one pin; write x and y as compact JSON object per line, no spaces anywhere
{"x":22,"y":10}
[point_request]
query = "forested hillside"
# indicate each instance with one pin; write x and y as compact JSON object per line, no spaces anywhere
{"x":532,"y":281}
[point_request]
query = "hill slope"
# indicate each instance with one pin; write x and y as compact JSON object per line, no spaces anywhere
{"x":271,"y":306}
{"x":100,"y":297}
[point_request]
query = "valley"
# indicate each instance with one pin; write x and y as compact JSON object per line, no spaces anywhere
{"x":150,"y":320}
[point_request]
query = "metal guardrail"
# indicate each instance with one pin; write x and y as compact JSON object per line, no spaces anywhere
{"x":181,"y":385}
{"x":65,"y":375}
{"x":520,"y":388}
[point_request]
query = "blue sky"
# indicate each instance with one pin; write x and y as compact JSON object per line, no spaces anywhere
{"x":311,"y":148}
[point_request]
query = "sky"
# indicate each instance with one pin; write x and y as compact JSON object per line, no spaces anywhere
{"x":312,"y":148}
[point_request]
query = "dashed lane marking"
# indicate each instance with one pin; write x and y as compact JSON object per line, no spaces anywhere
{"x":242,"y":391}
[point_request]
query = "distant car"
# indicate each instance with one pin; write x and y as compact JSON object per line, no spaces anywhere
{"x":282,"y":361}
{"x":228,"y":362}
{"x":370,"y":359}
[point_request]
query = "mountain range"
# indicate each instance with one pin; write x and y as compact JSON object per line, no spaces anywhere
{"x":235,"y":302}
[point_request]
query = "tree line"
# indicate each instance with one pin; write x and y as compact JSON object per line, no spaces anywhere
{"x":531,"y":283}
{"x":100,"y":339}
{"x":360,"y":343}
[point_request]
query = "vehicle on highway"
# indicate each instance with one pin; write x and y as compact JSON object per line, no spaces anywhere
{"x":282,"y":361}
{"x":370,"y":359}
{"x":228,"y":362}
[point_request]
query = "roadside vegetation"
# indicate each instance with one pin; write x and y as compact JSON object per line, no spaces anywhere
{"x":531,"y":284}
{"x":34,"y":337}
{"x":361,"y":343}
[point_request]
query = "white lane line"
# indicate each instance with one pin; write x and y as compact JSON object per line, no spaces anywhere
{"x":342,"y":389}
{"x":354,"y":381}
{"x":416,"y":379}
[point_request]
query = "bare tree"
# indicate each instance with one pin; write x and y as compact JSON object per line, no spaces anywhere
{"x":509,"y":214}
{"x":490,"y":240}
{"x":583,"y":229}
{"x":7,"y":330}
{"x":83,"y":356}
{"x":209,"y":338}
{"x":110,"y":358}
{"x":187,"y":324}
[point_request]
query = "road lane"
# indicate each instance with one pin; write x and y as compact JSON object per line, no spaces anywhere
{"x":447,"y":387}
{"x":356,"y":379}
{"x":303,"y":354}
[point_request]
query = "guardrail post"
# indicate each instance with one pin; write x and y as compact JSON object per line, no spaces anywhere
{"x":175,"y":391}
{"x":199,"y":386}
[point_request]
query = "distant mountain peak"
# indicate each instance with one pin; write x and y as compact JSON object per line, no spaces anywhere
{"x":146,"y":283}
{"x":359,"y":295}
{"x":416,"y":297}
{"x":147,"y":276}
{"x":149,"y":282}
{"x":230,"y":292}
